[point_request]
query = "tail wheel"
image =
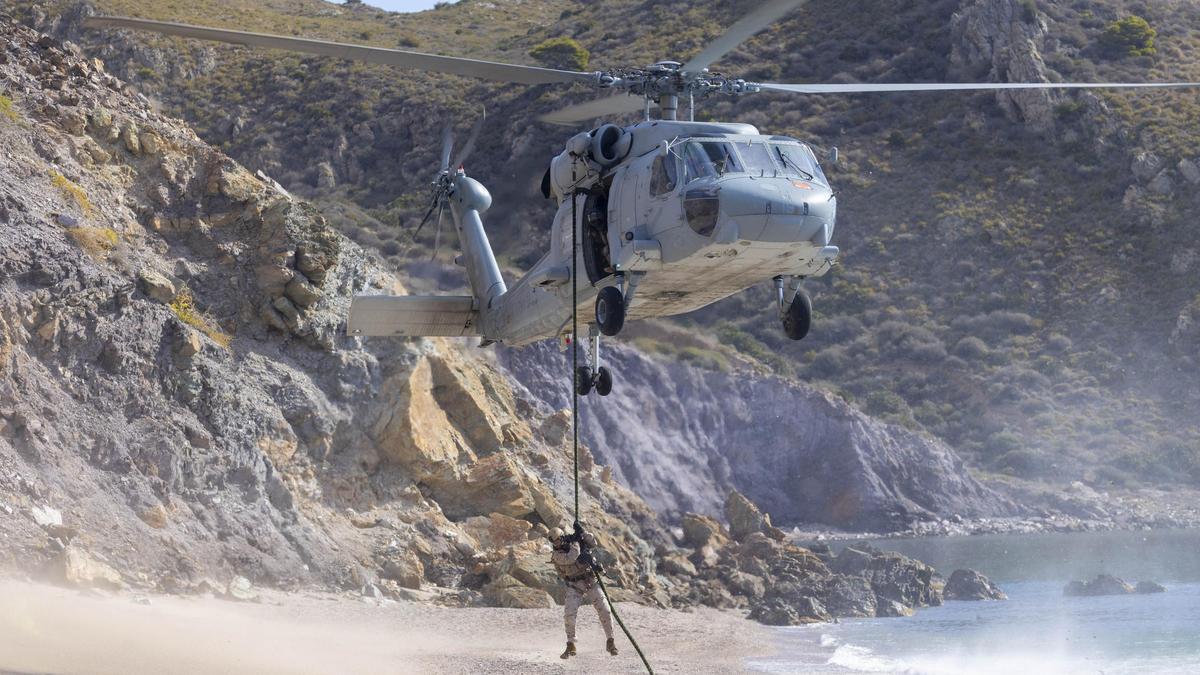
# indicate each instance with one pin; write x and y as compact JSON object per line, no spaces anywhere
{"x":604,"y":382}
{"x":583,"y":380}
{"x":610,"y":310}
{"x":798,"y":318}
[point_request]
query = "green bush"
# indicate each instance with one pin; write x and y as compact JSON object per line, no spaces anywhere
{"x":1131,"y":36}
{"x":562,"y":52}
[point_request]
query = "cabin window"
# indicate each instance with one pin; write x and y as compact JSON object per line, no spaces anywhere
{"x":663,"y":175}
{"x":709,"y":159}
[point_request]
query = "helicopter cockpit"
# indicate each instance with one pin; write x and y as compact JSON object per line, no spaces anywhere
{"x":707,"y":157}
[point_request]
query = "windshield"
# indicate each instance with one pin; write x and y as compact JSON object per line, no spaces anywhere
{"x":709,"y":159}
{"x":797,"y":160}
{"x":757,"y":159}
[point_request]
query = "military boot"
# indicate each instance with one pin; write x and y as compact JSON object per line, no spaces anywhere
{"x":569,"y":651}
{"x":611,"y":646}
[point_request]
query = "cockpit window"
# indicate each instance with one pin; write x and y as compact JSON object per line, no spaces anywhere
{"x":663,"y":175}
{"x":757,"y":159}
{"x":799,"y":161}
{"x":709,"y":159}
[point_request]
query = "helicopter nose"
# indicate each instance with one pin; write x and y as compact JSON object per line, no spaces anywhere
{"x":775,"y":209}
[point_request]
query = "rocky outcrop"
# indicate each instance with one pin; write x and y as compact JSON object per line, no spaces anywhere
{"x":783,"y":584}
{"x":1000,"y":40}
{"x":1107,"y":584}
{"x":971,"y":585}
{"x":683,"y":438}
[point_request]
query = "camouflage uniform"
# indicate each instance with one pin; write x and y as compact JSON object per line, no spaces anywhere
{"x":581,"y":586}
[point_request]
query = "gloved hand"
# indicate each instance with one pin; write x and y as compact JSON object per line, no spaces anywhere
{"x":579,"y":530}
{"x":587,"y":559}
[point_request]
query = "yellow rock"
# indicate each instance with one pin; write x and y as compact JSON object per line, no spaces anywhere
{"x":414,"y":431}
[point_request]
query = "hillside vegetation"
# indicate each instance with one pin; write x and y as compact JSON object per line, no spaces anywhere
{"x":1020,"y":271}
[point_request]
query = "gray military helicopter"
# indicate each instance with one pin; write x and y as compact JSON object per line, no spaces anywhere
{"x":662,"y":217}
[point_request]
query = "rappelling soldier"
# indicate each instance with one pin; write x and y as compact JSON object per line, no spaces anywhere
{"x":573,"y":560}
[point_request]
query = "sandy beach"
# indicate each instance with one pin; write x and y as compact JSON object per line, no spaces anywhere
{"x":47,"y":629}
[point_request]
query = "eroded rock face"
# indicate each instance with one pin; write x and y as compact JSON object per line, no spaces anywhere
{"x":683,"y":438}
{"x":1000,"y":40}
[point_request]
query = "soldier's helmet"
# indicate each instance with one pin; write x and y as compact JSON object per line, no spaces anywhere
{"x":555,"y":534}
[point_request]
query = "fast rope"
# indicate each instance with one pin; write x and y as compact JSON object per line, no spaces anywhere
{"x":575,"y":225}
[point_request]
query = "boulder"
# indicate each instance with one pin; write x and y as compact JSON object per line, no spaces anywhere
{"x":674,"y":563}
{"x":1190,"y":171}
{"x":1103,"y":584}
{"x":497,"y":530}
{"x":301,"y":291}
{"x":506,"y":591}
{"x":775,"y":612}
{"x":405,"y":570}
{"x":743,"y":583}
{"x":1146,"y":165}
{"x":1144,"y":587}
{"x":240,"y":589}
{"x":903,"y":579}
{"x":971,"y":585}
{"x":743,"y":516}
{"x":157,"y":286}
{"x":699,"y":530}
{"x":849,"y":597}
{"x":892,"y":608}
{"x":79,"y":568}
{"x":536,"y":571}
{"x":852,"y":561}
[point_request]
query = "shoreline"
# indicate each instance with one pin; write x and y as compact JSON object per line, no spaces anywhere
{"x":1076,"y":509}
{"x":46,"y":628}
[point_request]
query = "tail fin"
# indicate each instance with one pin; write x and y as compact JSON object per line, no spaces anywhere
{"x":413,"y":316}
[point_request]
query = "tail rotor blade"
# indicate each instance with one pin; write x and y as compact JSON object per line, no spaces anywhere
{"x":433,"y":203}
{"x":437,"y":238}
{"x":470,"y":145}
{"x":447,"y":146}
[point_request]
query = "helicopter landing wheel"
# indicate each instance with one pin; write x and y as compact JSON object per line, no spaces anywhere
{"x":604,"y":381}
{"x":583,"y":380}
{"x":610,"y":310}
{"x":798,"y":318}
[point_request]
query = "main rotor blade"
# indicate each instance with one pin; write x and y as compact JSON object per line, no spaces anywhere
{"x":465,"y":152}
{"x":487,"y":70}
{"x":961,"y":86}
{"x":601,"y":107}
{"x":766,"y":14}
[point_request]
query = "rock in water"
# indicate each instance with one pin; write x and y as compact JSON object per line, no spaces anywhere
{"x":1145,"y":587}
{"x":1103,"y":584}
{"x":971,"y":585}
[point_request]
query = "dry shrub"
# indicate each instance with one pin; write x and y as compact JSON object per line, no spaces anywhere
{"x":95,"y":241}
{"x":71,"y":191}
{"x":184,"y":307}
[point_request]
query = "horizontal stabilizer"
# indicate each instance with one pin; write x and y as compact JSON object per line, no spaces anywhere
{"x":412,"y":315}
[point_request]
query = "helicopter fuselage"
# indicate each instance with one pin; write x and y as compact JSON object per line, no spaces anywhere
{"x":693,"y":213}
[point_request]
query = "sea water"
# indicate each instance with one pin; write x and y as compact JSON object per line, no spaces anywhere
{"x":1038,"y":629}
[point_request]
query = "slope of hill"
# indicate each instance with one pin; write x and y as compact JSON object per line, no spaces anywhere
{"x":1018,"y":276}
{"x":181,"y":410}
